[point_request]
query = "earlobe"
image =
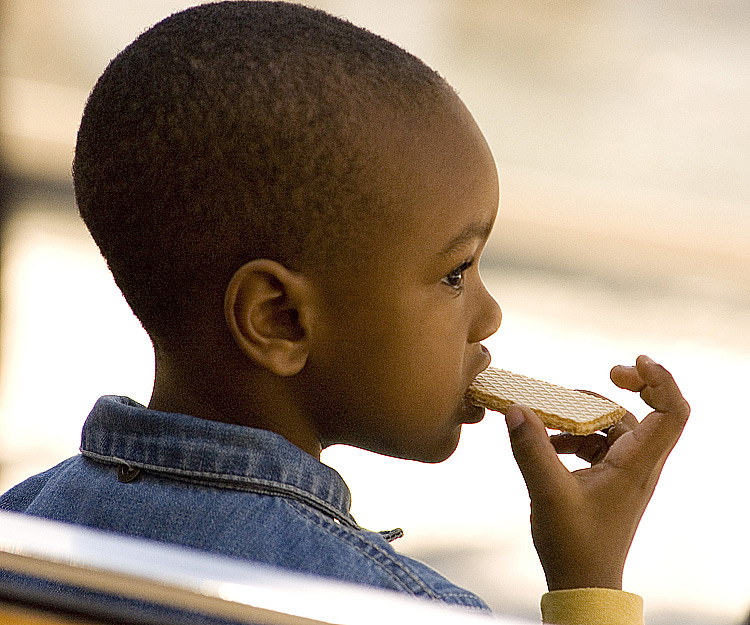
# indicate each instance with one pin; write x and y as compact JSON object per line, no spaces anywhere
{"x":266,"y":309}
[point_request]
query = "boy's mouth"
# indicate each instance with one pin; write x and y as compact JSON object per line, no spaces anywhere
{"x":471,"y":413}
{"x":484,"y":360}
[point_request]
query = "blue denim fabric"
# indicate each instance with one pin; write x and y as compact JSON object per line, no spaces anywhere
{"x":222,"y":488}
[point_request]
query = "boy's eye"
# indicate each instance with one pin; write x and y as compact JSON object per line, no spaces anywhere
{"x":455,"y":279}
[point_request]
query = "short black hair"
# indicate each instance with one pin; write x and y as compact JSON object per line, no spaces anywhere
{"x":232,"y":131}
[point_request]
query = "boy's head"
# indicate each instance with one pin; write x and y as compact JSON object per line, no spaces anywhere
{"x":318,"y":190}
{"x":235,"y":131}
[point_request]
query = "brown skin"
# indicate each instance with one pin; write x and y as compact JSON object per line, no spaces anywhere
{"x":378,"y":354}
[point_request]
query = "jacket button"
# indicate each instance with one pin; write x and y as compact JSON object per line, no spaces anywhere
{"x":126,"y":474}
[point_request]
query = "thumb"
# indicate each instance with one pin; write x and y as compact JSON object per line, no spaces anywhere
{"x":534,"y":454}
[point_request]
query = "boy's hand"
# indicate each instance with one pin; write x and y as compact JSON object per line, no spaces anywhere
{"x":583,"y":522}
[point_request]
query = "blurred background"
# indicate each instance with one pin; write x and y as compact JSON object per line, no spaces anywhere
{"x":621,"y":131}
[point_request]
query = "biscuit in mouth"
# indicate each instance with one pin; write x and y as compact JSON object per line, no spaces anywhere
{"x":559,"y":408}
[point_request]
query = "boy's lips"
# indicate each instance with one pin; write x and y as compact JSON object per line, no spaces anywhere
{"x":471,"y":412}
{"x":485,"y":360}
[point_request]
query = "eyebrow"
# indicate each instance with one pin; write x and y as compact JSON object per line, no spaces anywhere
{"x":472,"y":232}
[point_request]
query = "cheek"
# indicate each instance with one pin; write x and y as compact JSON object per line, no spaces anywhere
{"x":409,"y":374}
{"x":413,"y":351}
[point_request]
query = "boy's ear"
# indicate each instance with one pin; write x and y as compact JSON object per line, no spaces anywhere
{"x":267,"y":308}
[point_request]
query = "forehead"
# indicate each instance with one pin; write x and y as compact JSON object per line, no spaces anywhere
{"x":441,"y":178}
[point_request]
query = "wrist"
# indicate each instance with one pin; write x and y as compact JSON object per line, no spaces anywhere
{"x":569,"y":579}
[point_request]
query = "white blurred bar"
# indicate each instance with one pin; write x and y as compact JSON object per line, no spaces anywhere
{"x":207,"y":584}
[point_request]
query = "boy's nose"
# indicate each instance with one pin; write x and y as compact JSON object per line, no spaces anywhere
{"x":488,"y":319}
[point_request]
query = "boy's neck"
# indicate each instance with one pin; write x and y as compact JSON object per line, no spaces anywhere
{"x":260,"y":401}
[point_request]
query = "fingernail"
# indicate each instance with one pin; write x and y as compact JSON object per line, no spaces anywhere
{"x":514,"y":417}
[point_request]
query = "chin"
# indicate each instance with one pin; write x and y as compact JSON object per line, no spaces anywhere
{"x":430,"y":451}
{"x":428,"y":456}
{"x":435,"y":459}
{"x":439,"y":451}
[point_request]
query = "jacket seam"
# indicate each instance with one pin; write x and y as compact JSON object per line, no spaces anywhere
{"x":233,"y":482}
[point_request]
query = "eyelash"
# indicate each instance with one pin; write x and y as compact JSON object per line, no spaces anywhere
{"x":455,"y":279}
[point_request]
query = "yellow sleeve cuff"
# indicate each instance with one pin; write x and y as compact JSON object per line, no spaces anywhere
{"x":592,"y":606}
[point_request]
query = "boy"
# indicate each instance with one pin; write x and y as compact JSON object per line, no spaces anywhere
{"x":294,"y":208}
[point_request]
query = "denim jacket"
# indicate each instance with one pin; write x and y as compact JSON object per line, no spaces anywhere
{"x":223,"y":488}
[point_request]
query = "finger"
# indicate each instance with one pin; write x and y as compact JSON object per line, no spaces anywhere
{"x":661,"y":391}
{"x":565,"y":443}
{"x":655,"y":384}
{"x":536,"y":457}
{"x":655,"y":437}
{"x":591,"y":448}
{"x":627,"y":378}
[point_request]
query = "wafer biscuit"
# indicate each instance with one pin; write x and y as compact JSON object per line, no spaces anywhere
{"x":559,"y":408}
